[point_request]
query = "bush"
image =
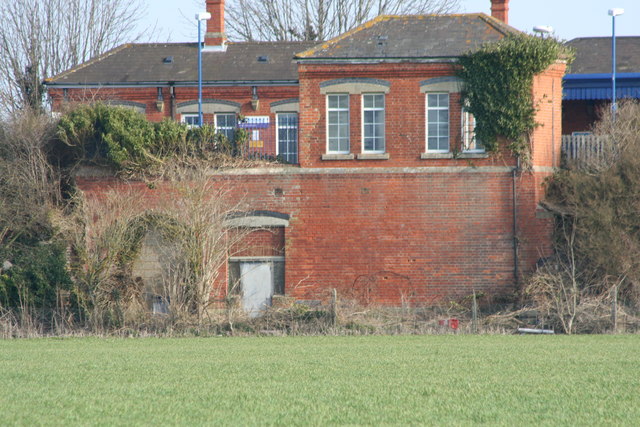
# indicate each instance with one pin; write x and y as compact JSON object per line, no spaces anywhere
{"x":35,"y":277}
{"x":119,"y":135}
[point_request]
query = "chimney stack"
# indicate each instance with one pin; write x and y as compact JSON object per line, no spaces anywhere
{"x":215,"y":35}
{"x":500,"y":10}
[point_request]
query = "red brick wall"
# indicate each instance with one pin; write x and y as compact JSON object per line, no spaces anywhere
{"x":388,"y":237}
{"x":148,"y":96}
{"x":547,"y":99}
{"x":404,"y":109}
{"x":403,"y":230}
{"x":267,"y":242}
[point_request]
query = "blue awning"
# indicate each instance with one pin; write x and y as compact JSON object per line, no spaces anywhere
{"x":598,"y":86}
{"x":581,"y":93}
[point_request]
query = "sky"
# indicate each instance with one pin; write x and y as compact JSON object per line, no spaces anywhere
{"x":175,"y":22}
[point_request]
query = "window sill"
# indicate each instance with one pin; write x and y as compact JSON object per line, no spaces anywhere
{"x":436,"y":156}
{"x":478,"y":155}
{"x":373,"y":156}
{"x":349,"y":156}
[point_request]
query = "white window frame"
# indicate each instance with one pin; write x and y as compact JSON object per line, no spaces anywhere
{"x":278,"y":131}
{"x":185,"y":116}
{"x":426,"y":119}
{"x":348,"y":124}
{"x":469,"y":134}
{"x":219,"y":129}
{"x":384,"y":118}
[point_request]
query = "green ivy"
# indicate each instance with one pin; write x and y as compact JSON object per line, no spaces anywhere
{"x":498,"y":81}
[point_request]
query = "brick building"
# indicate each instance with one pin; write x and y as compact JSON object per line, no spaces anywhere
{"x":387,"y":198}
{"x":587,"y":84}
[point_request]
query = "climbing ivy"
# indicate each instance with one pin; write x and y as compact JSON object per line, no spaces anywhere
{"x":498,"y":80}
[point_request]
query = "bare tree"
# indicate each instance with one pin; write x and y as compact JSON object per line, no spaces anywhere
{"x":41,"y":38}
{"x":28,"y":183}
{"x":279,"y":20}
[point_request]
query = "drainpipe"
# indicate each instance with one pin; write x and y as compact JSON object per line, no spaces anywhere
{"x":514,"y":176}
{"x":172,"y":100}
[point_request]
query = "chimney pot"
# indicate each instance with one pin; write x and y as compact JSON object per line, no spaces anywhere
{"x":500,"y":10}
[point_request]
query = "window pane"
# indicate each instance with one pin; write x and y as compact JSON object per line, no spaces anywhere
{"x":344,"y":144}
{"x":368,"y":144}
{"x":368,"y":131}
{"x":369,"y":116}
{"x":338,"y":123}
{"x":443,"y":116}
{"x":443,"y":100}
{"x":343,"y":131}
{"x":288,"y":137}
{"x":432,"y":100}
{"x":343,"y":101}
{"x":433,"y":143}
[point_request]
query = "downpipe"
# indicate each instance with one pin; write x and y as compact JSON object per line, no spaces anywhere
{"x":516,"y":242}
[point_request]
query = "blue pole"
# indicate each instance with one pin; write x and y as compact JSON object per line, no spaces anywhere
{"x":613,"y":67}
{"x":199,"y":75}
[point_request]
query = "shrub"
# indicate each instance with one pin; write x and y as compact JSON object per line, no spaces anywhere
{"x":36,"y":274}
{"x":120,"y":135}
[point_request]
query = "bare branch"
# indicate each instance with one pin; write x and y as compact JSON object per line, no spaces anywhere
{"x":279,"y":20}
{"x":42,"y":38}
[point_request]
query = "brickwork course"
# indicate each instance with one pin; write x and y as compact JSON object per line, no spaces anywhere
{"x":403,"y":226}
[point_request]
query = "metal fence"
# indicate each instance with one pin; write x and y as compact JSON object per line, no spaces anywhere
{"x":582,"y":148}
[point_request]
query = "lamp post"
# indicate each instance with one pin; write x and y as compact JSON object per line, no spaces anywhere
{"x":543,"y":30}
{"x":202,"y":16}
{"x":613,"y":13}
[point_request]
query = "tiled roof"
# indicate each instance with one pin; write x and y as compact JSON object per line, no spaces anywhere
{"x":413,"y":36}
{"x":593,"y":55}
{"x":146,"y":63}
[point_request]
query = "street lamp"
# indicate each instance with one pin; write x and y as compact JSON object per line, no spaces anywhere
{"x":202,"y":16}
{"x":613,"y":13}
{"x":543,"y":30}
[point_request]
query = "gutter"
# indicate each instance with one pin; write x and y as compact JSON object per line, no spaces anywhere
{"x":213,"y":83}
{"x":390,"y":60}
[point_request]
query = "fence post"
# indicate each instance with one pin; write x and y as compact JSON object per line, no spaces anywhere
{"x":334,"y":307}
{"x":614,"y":308}
{"x":474,"y":314}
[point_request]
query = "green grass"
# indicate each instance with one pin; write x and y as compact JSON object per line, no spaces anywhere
{"x":442,"y":380}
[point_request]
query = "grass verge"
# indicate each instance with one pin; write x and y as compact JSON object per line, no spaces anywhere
{"x":498,"y":380}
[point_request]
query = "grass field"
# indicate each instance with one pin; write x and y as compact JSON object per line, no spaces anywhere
{"x":458,"y":380}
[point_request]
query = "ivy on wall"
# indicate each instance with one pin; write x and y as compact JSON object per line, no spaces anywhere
{"x":498,"y":81}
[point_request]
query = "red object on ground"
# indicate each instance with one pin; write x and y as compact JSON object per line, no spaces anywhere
{"x":454,"y":323}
